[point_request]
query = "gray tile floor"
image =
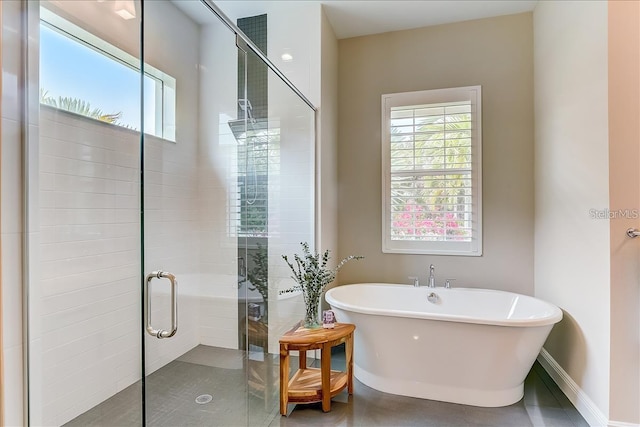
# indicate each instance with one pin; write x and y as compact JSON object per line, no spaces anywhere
{"x":240,"y":399}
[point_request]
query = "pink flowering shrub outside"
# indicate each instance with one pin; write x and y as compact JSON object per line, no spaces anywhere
{"x":416,"y":221}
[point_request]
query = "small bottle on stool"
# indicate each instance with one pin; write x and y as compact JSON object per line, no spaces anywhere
{"x":328,"y":319}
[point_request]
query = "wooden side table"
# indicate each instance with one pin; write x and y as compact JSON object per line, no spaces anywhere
{"x":310,"y":385}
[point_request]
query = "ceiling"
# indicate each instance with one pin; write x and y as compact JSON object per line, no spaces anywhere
{"x":352,"y":18}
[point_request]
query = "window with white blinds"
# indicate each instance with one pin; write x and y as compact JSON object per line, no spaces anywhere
{"x":431,"y":150}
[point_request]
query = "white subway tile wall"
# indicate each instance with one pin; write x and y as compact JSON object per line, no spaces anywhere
{"x":89,"y":264}
{"x":217,"y":183}
{"x":90,"y":260}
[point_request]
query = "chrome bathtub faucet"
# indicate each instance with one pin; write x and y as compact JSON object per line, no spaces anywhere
{"x":432,"y":277}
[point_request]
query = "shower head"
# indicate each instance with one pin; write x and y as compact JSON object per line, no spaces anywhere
{"x":238,"y":127}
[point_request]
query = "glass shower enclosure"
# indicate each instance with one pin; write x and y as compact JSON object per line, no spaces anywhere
{"x":172,"y":167}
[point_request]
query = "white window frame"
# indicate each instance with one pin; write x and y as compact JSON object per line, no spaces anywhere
{"x":437,"y":96}
{"x":165,"y":108}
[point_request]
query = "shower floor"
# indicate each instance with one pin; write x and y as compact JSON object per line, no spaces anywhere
{"x":236,"y":385}
{"x":240,"y":399}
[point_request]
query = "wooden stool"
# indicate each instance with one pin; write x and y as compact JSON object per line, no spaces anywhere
{"x":310,"y":385}
{"x":261,"y":374}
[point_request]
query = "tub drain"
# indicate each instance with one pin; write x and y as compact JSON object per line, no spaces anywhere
{"x":203,"y":399}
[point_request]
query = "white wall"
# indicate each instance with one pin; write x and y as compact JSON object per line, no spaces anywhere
{"x":571,"y":178}
{"x":89,"y":267}
{"x":293,"y":27}
{"x":217,"y":186}
{"x":327,"y":151}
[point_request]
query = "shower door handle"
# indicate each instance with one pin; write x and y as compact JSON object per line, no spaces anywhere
{"x":161,"y":333}
{"x":633,"y":233}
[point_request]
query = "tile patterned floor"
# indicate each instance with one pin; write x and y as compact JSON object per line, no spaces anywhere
{"x":239,"y":399}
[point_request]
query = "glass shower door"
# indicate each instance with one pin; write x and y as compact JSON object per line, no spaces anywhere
{"x":193,"y":365}
{"x":280,"y":160}
{"x":228,"y":190}
{"x":83,"y":295}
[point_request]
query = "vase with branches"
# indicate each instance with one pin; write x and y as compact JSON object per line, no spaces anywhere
{"x":312,"y":276}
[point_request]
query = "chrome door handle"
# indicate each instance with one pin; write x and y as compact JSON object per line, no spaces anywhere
{"x":161,"y":333}
{"x":632,"y":232}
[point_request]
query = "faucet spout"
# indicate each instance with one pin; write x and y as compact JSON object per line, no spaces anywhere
{"x":432,"y":277}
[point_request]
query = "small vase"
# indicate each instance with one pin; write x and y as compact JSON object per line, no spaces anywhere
{"x":312,"y":312}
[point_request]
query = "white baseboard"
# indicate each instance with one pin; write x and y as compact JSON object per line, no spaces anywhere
{"x":583,"y":403}
{"x":622,"y":424}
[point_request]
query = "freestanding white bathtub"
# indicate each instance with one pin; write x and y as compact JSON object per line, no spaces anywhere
{"x":468,"y":346}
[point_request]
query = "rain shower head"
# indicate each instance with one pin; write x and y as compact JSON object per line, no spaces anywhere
{"x":238,"y":127}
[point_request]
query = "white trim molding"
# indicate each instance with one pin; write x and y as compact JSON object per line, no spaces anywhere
{"x":425,"y":114}
{"x":583,"y":403}
{"x":622,"y":424}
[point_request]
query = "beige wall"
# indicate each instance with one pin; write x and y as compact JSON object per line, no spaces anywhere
{"x":495,"y":53}
{"x":327,"y":151}
{"x":624,"y":193}
{"x":571,"y":178}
